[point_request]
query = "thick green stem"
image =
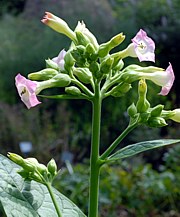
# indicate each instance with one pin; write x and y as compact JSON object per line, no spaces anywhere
{"x":49,"y":187}
{"x":117,"y":141}
{"x":94,"y":159}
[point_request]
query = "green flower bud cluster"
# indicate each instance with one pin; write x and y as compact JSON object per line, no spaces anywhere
{"x":33,"y":170}
{"x":155,"y":119}
{"x":151,"y":117}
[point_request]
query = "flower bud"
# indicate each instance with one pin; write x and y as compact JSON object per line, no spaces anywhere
{"x":118,"y":66}
{"x":83,"y":74}
{"x":82,"y":39}
{"x":42,"y":169}
{"x":52,"y":167}
{"x":43,"y":75}
{"x":132,"y":110}
{"x":79,"y":59}
{"x":142,"y":103}
{"x":156,"y":111}
{"x":120,"y":89}
{"x":94,"y":67}
{"x":58,"y":25}
{"x":73,"y":90}
{"x":36,"y":177}
{"x":81,"y":49}
{"x":106,"y":47}
{"x":90,"y":53}
{"x":16,"y":158}
{"x":60,"y":80}
{"x":29,"y":165}
{"x":81,"y":27}
{"x":90,"y":49}
{"x":68,"y":61}
{"x":51,"y":64}
{"x":156,"y":122}
{"x":106,"y":65}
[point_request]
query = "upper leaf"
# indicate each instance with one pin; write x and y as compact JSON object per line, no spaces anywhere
{"x":134,"y":149}
{"x":28,"y":198}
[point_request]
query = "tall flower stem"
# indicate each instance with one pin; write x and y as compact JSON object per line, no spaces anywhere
{"x":94,"y":158}
{"x":49,"y":187}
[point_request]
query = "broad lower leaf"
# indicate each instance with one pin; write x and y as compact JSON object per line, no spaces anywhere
{"x":28,"y":198}
{"x":134,"y":149}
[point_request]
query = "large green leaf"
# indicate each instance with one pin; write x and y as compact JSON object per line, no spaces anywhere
{"x":131,"y":150}
{"x":28,"y":198}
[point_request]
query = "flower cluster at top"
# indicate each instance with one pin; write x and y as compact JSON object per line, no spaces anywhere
{"x":88,"y":63}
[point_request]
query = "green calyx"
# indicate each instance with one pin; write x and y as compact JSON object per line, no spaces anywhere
{"x":83,"y":74}
{"x":142,"y":104}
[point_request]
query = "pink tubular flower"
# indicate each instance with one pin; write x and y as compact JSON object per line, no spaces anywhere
{"x":165,"y":79}
{"x":143,"y":47}
{"x":59,"y":60}
{"x":27,"y":91}
{"x":58,"y":25}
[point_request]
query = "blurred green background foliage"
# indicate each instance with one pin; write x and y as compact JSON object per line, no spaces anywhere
{"x":57,"y":126}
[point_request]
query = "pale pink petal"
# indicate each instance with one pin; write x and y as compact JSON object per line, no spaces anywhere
{"x":60,"y":59}
{"x":170,"y":75}
{"x":144,"y":46}
{"x":27,"y":91}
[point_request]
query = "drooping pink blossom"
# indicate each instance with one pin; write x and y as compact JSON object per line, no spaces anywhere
{"x":169,"y":80}
{"x":59,"y":60}
{"x":27,"y":91}
{"x":165,"y":79}
{"x":143,"y":46}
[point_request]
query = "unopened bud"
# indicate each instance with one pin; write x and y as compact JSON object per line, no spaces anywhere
{"x":106,"y":65}
{"x":83,"y":74}
{"x":52,"y":167}
{"x":29,"y":165}
{"x":58,"y":25}
{"x":81,"y":27}
{"x":118,"y":66}
{"x":51,"y":64}
{"x":156,"y":122}
{"x":142,"y":103}
{"x":73,"y":90}
{"x":120,"y":89}
{"x":68,"y":61}
{"x":16,"y":158}
{"x":90,"y":49}
{"x":105,"y":48}
{"x":81,"y":49}
{"x":43,"y":75}
{"x":132,"y":110}
{"x":60,"y":80}
{"x":94,"y":67}
{"x":82,"y":39}
{"x":79,"y":59}
{"x":156,"y":111}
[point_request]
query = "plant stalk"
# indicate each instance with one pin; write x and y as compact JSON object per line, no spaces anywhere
{"x":49,"y":187}
{"x":94,"y":158}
